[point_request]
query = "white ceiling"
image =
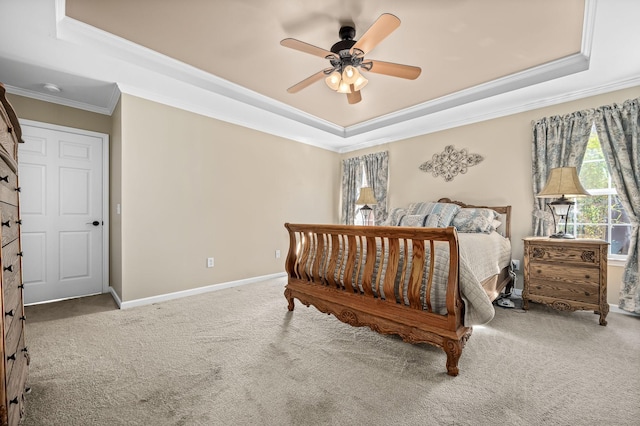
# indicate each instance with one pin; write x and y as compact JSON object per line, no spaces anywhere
{"x":223,"y":59}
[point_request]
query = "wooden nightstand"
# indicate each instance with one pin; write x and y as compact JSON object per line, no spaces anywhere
{"x":567,"y":275}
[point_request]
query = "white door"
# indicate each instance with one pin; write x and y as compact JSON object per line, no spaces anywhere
{"x":62,"y":210}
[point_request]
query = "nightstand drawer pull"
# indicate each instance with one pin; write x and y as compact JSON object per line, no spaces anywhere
{"x":14,"y":400}
{"x":5,"y":178}
{"x":7,"y":224}
{"x":8,"y":268}
{"x":9,"y":314}
{"x":11,"y":357}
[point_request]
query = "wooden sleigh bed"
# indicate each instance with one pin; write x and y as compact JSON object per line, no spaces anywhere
{"x":390,"y":278}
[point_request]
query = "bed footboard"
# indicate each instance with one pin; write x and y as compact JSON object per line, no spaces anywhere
{"x":382,"y":278}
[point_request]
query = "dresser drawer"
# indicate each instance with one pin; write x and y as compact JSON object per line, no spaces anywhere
{"x":11,"y":275}
{"x":585,"y":293}
{"x":16,"y":388}
{"x":7,"y":139}
{"x":13,"y":356}
{"x":10,"y":223}
{"x":13,"y":324}
{"x":573,"y":255}
{"x":8,"y":184}
{"x":563,"y":273}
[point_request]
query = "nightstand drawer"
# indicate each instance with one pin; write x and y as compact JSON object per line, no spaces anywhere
{"x":586,"y":293}
{"x":575,"y":255}
{"x":563,"y":273}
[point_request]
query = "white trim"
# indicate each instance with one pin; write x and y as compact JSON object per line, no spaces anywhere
{"x":108,"y":110}
{"x":193,"y":291}
{"x":616,"y":310}
{"x":115,"y":296}
{"x":549,"y":71}
{"x":267,"y":115}
{"x":105,"y":185}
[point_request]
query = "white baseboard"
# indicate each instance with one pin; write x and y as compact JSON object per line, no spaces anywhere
{"x":190,"y":292}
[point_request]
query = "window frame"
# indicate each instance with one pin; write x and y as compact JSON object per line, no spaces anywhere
{"x":610,"y":191}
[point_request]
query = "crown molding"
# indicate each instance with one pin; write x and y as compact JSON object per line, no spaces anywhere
{"x":143,"y":71}
{"x":107,"y":110}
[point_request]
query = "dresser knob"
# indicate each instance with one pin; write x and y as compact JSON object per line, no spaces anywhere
{"x":9,"y":314}
{"x":18,"y":189}
{"x":5,"y":178}
{"x":11,"y":357}
{"x":7,"y":224}
{"x":14,"y":400}
{"x":23,"y":318}
{"x":19,"y":254}
{"x":19,"y":221}
{"x":8,"y":268}
{"x":21,"y":286}
{"x":587,"y":276}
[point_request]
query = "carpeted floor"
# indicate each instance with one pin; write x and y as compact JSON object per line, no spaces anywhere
{"x":238,"y":357}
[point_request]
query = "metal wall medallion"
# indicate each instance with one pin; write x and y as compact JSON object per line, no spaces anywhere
{"x":450,"y":163}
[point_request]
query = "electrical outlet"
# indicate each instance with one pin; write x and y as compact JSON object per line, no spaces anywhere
{"x":515,"y":264}
{"x":210,"y":262}
{"x":277,"y":254}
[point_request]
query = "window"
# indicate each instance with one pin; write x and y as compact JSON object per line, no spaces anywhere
{"x":601,"y":215}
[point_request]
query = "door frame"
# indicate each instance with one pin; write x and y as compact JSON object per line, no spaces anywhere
{"x":105,"y":185}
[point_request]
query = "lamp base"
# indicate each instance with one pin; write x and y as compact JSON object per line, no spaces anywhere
{"x":562,"y":235}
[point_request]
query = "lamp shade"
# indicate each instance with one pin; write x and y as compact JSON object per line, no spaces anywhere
{"x":366,"y":196}
{"x":563,"y":181}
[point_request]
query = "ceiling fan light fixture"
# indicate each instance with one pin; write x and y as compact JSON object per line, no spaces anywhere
{"x":344,"y":87}
{"x":350,"y":74}
{"x":333,"y":80}
{"x":360,"y":82}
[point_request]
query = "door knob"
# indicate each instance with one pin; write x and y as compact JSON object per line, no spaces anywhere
{"x":94,"y":223}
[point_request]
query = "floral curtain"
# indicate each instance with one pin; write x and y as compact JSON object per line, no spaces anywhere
{"x":618,"y":128}
{"x":558,"y":141}
{"x":351,"y":183}
{"x":376,"y":167}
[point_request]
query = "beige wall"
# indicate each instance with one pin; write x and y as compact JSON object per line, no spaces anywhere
{"x":504,"y":177}
{"x":115,"y":195}
{"x":195,"y":187}
{"x":32,"y":109}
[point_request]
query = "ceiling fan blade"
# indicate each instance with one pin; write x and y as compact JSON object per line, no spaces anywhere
{"x":385,"y":25}
{"x":307,"y":82}
{"x":292,"y":43}
{"x":395,"y":70}
{"x":354,"y":97}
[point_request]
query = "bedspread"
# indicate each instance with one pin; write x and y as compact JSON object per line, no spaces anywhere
{"x":481,"y":256}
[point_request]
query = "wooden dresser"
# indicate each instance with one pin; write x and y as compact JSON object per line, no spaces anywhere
{"x":566,"y":274}
{"x":15,"y":356}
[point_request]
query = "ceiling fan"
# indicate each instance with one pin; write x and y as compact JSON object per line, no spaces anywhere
{"x":347,"y":59}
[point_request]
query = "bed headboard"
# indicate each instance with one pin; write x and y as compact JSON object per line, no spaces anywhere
{"x":505,"y":211}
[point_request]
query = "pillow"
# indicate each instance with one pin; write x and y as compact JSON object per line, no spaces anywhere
{"x":420,"y":208}
{"x":393,"y":219}
{"x":413,"y":220}
{"x":476,"y":219}
{"x":440,"y":214}
{"x":444,"y":214}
